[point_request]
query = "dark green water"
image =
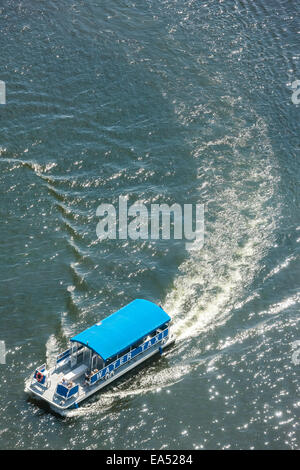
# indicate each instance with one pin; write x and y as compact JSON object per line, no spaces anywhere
{"x":163,"y":101}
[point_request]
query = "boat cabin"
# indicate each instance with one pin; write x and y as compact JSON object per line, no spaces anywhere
{"x":103,"y":352}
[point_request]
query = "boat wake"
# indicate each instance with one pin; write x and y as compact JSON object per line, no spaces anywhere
{"x":150,"y":383}
{"x":240,"y":218}
{"x":239,"y":230}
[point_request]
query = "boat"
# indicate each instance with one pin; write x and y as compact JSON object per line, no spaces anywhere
{"x":101,"y":354}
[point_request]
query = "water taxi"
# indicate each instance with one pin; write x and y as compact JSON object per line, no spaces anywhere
{"x":102,"y":353}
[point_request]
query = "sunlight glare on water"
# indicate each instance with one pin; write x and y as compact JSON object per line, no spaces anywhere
{"x":163,"y":102}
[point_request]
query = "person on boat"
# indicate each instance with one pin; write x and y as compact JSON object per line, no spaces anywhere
{"x":64,"y":381}
{"x":87,"y":378}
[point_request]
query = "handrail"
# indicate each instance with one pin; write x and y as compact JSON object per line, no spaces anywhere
{"x":63,"y":355}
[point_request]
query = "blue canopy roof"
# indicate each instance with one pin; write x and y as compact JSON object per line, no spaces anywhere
{"x":123,"y":328}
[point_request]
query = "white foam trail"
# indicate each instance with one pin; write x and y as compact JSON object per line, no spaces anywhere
{"x":52,"y":350}
{"x":281,"y":306}
{"x":281,"y":266}
{"x":213,"y":279}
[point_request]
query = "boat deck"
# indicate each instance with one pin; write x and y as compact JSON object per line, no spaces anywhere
{"x":76,"y":375}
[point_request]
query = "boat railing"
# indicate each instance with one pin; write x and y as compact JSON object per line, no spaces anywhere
{"x":63,"y":357}
{"x":131,"y":355}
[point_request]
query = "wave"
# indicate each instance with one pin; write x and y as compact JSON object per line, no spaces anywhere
{"x":214,"y":278}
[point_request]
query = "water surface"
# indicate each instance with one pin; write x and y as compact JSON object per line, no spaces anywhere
{"x":162,"y":101}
